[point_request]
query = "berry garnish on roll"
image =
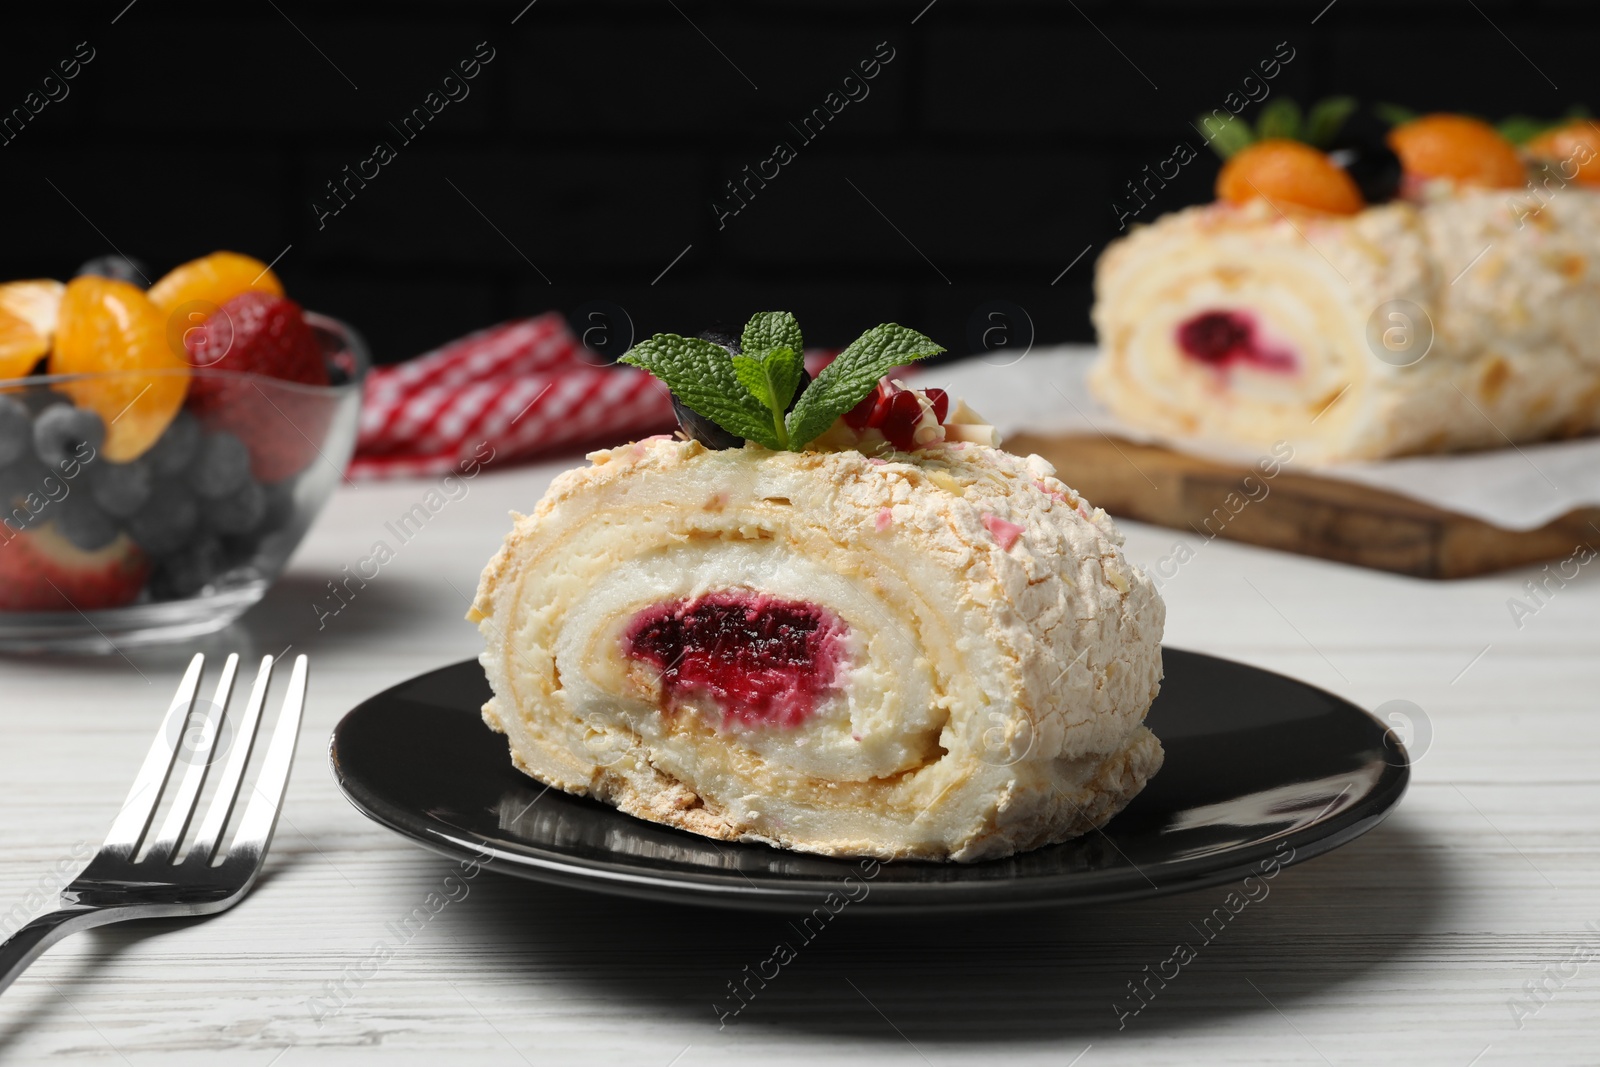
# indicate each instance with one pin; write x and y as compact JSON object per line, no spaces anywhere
{"x":1461,"y":148}
{"x":729,"y":392}
{"x":1283,"y":159}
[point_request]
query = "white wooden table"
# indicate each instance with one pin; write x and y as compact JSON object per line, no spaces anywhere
{"x":1414,"y":945}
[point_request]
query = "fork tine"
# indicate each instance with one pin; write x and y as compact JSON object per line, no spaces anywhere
{"x":222,"y":801}
{"x":261,"y":817}
{"x":131,"y":822}
{"x":194,"y":776}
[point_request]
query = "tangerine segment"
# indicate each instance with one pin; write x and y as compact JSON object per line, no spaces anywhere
{"x":36,"y":301}
{"x":1573,"y":148}
{"x":1466,"y":149}
{"x":1282,"y":172}
{"x":111,"y":326}
{"x":213,"y":280}
{"x":20,"y":345}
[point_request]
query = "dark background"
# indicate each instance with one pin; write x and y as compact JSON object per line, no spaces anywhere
{"x":988,"y":155}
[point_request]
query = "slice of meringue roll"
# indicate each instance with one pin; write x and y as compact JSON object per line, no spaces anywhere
{"x":1463,"y":321}
{"x":941,"y":655}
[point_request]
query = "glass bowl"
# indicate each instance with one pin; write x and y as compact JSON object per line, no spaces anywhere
{"x":108,"y":540}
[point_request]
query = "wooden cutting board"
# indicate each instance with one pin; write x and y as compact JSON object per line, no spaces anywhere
{"x":1299,"y":513}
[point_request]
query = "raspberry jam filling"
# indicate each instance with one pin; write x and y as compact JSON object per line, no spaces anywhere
{"x":1222,"y":339}
{"x":764,"y":661}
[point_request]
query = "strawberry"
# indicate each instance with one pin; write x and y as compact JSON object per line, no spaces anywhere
{"x":42,"y":571}
{"x":257,"y":333}
{"x":266,"y":334}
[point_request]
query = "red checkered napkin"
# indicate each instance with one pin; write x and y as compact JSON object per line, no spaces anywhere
{"x":524,"y":388}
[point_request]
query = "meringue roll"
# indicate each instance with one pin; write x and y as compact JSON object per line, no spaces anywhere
{"x":1456,"y":322}
{"x":943,"y":654}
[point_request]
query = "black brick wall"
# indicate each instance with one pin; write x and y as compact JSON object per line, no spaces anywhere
{"x":986,"y":156}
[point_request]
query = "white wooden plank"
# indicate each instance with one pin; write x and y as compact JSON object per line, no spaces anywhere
{"x":1409,"y":946}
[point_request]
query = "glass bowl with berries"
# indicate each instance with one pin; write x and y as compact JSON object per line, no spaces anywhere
{"x":163,"y":447}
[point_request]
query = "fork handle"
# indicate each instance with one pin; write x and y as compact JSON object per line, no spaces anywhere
{"x":29,"y":943}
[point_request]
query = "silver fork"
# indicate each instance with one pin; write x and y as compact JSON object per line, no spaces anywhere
{"x":121,"y":884}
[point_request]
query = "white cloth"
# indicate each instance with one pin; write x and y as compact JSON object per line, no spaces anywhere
{"x":1518,"y":487}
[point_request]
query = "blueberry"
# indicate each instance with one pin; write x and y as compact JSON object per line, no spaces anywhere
{"x":703,"y":429}
{"x":235,"y":512}
{"x":119,"y":268}
{"x":81,"y":522}
{"x":61,"y":434}
{"x":1372,"y":165}
{"x":280,"y":505}
{"x":167,"y":519}
{"x":18,"y":481}
{"x":16,"y":429}
{"x":185,"y":572}
{"x":120,"y":489}
{"x":691,"y":421}
{"x":175,"y":448}
{"x":222,"y":467}
{"x":239,"y":551}
{"x":709,"y":433}
{"x":36,"y":400}
{"x":724,"y":334}
{"x":240,"y":511}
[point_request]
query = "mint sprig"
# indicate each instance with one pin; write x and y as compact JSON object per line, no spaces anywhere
{"x":1280,"y":119}
{"x":1520,"y":129}
{"x":749,"y":394}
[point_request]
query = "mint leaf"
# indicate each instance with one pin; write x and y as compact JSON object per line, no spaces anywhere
{"x":753,"y":377}
{"x":1326,"y":118}
{"x":774,"y":355}
{"x":772,"y":381}
{"x":1281,"y":118}
{"x":850,"y":377}
{"x":783,"y":367}
{"x":770,"y":329}
{"x":1394,"y":114}
{"x":1520,"y":129}
{"x":701,"y":375}
{"x":1227,"y":139}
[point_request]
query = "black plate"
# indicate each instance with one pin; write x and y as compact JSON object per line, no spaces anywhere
{"x":1259,"y":768}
